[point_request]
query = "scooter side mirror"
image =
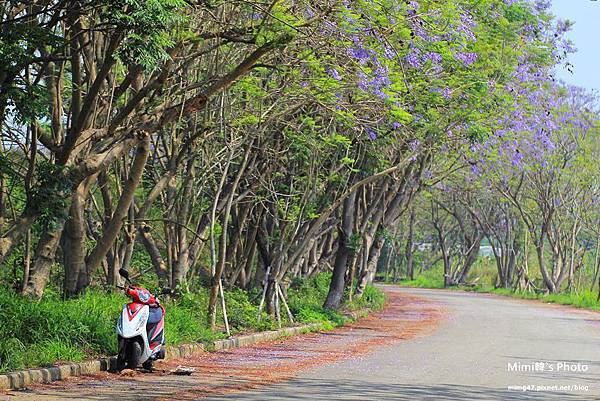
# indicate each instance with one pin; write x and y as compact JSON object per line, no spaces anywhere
{"x":124,"y":273}
{"x":166,"y":291}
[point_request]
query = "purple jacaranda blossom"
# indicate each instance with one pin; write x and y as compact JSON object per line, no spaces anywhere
{"x":396,"y":125}
{"x":304,"y":84}
{"x":413,"y":58}
{"x":562,"y":27}
{"x":309,"y":12}
{"x":363,"y":82}
{"x":414,"y":145}
{"x":543,"y":5}
{"x":382,"y":78}
{"x":389,"y":53}
{"x":447,"y":93}
{"x":466,"y":58}
{"x":517,"y":159}
{"x":467,"y":20}
{"x":359,"y":53}
{"x":371,"y":134}
{"x":334,"y":74}
{"x":568,"y":47}
{"x":434,"y":57}
{"x":465,"y":27}
{"x":421,"y":33}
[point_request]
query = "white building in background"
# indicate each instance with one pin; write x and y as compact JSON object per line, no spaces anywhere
{"x":485,"y":251}
{"x":488,"y":252}
{"x":425,"y":246}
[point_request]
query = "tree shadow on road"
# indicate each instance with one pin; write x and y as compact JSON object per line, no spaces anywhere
{"x":318,"y":389}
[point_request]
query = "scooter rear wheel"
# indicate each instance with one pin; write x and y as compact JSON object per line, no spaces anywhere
{"x":148,"y":365}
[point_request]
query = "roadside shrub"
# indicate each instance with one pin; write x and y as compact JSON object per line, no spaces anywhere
{"x":37,"y":333}
{"x":242,"y":313}
{"x":306,"y":298}
{"x":372,"y":298}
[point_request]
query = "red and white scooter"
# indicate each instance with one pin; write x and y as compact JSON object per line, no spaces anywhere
{"x":140,"y":329}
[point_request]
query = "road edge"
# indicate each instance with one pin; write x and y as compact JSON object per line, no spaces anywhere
{"x":534,"y":301}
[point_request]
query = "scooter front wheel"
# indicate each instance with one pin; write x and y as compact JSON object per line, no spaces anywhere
{"x":134,"y":354}
{"x":121,"y":363}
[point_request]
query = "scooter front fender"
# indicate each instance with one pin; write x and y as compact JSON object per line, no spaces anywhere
{"x":131,"y":325}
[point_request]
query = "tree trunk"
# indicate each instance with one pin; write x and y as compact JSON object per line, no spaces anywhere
{"x":111,"y":231}
{"x":371,"y":267}
{"x":220,"y":265}
{"x":410,"y":269}
{"x":336,"y":287}
{"x":43,"y":259}
{"x":73,"y":245}
{"x":160,"y":267}
{"x":542,"y":262}
{"x":20,"y":228}
{"x":470,"y":259}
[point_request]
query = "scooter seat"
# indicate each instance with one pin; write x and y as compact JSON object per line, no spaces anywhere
{"x":155,"y":315}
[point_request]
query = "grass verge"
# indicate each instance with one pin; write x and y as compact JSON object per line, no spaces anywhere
{"x":42,"y":333}
{"x":582,"y":299}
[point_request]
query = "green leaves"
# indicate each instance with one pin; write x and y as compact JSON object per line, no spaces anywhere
{"x":400,"y":115}
{"x":337,"y":140}
{"x":50,"y":195}
{"x":149,"y":28}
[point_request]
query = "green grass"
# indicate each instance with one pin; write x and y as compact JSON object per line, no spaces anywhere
{"x":40,"y":333}
{"x":372,"y":298}
{"x":432,"y":278}
{"x":306,"y":297}
{"x":584,"y":299}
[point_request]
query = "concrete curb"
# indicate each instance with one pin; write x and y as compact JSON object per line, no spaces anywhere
{"x":354,"y":315}
{"x":262,"y":336}
{"x":23,"y":378}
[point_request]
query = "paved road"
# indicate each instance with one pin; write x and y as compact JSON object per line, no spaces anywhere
{"x":427,"y":345}
{"x":467,"y":357}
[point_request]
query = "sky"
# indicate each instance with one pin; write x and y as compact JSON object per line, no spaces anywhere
{"x":586,"y":37}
